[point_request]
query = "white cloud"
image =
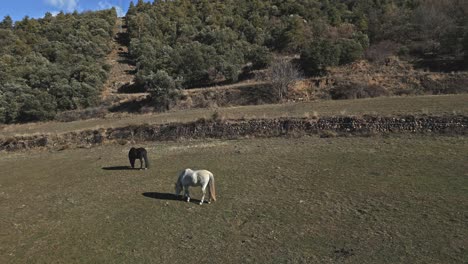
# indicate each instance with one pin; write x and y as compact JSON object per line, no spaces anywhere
{"x":107,"y":5}
{"x":66,"y":5}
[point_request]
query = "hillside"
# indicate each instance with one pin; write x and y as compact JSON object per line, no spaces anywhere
{"x":183,"y":45}
{"x":122,"y":73}
{"x":164,"y":54}
{"x":177,"y":49}
{"x":53,"y":64}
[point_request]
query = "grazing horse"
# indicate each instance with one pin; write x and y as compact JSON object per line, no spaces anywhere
{"x":201,"y":178}
{"x":138,"y":153}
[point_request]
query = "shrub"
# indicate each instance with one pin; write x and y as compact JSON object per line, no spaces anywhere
{"x":39,"y":106}
{"x":362,"y":39}
{"x":162,"y":88}
{"x":282,"y":74}
{"x":318,"y":56}
{"x":260,"y":57}
{"x":350,"y":51}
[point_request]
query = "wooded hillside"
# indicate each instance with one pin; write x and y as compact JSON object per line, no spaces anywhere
{"x":184,"y":44}
{"x":52,"y":64}
{"x":57,"y":63}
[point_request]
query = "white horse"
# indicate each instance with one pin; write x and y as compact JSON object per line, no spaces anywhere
{"x":201,"y":178}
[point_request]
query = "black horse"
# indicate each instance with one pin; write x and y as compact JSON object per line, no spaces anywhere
{"x":138,"y":153}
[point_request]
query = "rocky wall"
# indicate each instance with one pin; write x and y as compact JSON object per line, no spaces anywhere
{"x":232,"y":129}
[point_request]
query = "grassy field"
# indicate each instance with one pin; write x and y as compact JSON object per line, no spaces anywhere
{"x":436,"y":105}
{"x":286,"y":200}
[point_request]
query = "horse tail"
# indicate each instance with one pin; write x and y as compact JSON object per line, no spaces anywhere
{"x":211,"y":187}
{"x":145,"y":157}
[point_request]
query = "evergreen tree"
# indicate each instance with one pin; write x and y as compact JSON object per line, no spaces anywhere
{"x":7,"y":23}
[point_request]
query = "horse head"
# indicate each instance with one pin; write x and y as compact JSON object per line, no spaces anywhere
{"x":178,"y":185}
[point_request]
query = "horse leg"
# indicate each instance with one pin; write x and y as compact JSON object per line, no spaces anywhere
{"x":186,"y":191}
{"x":209,"y":198}
{"x":141,"y":163}
{"x":203,"y":196}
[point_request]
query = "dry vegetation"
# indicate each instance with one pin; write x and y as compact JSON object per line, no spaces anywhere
{"x":434,"y":105}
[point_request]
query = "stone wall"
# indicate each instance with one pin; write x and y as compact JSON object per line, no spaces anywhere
{"x":232,"y":129}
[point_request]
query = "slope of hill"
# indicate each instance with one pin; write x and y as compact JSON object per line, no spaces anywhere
{"x":122,"y":73}
{"x":163,"y":49}
{"x":53,"y":64}
{"x":185,"y":44}
{"x":383,"y":106}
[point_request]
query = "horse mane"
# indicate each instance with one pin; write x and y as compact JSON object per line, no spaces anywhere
{"x":211,"y":187}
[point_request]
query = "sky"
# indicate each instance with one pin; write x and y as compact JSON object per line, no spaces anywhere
{"x":18,"y":9}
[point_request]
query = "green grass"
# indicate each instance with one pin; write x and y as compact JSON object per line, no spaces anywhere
{"x":435,"y":105}
{"x":399,"y":199}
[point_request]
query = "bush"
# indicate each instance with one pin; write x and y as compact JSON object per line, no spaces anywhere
{"x":350,"y":51}
{"x":8,"y":108}
{"x":362,"y":39}
{"x":403,"y":51}
{"x":162,"y":88}
{"x":318,"y":56}
{"x":39,"y":106}
{"x":260,"y":57}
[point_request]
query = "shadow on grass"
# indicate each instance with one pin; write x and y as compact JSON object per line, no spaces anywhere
{"x":118,"y":168}
{"x":167,"y":196}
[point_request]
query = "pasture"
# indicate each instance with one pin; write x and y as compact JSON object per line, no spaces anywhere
{"x":382,"y":106}
{"x":396,"y":199}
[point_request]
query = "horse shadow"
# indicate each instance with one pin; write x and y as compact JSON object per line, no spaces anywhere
{"x":119,"y":168}
{"x":167,"y":197}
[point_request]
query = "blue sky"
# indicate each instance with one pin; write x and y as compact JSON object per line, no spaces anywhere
{"x":18,"y":9}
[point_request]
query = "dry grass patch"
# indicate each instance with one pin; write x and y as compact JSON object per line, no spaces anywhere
{"x":431,"y":105}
